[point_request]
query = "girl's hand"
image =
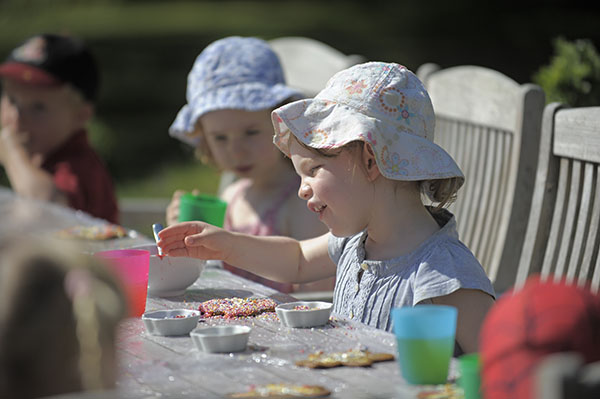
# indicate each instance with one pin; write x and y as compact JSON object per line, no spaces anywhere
{"x":172,"y":216}
{"x":196,"y":240}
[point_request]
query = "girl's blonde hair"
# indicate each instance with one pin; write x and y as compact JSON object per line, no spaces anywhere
{"x":59,"y":310}
{"x":441,"y":192}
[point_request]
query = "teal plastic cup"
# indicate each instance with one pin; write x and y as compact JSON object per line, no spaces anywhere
{"x":425,"y":342}
{"x":205,"y":208}
{"x":470,"y":380}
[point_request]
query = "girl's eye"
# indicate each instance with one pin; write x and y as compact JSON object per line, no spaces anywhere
{"x":220,"y":138}
{"x":313,"y":170}
{"x":252,"y":132}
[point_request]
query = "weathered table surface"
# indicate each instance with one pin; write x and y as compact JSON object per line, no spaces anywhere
{"x":172,"y":367}
{"x":21,"y":216}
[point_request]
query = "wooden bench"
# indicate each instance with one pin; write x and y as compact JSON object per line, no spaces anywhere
{"x":563,"y":232}
{"x":490,"y":125}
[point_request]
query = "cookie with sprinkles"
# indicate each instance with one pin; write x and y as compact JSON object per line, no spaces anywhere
{"x":352,"y":358}
{"x":230,"y":308}
{"x":283,"y":391}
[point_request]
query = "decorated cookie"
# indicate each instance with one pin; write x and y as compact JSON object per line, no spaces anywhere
{"x":283,"y":391}
{"x":352,"y":358}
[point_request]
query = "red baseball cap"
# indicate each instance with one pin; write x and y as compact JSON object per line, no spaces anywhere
{"x":52,"y":60}
{"x":542,"y":318}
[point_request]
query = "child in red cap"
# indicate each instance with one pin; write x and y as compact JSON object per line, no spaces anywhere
{"x":525,"y":326}
{"x":49,"y":86}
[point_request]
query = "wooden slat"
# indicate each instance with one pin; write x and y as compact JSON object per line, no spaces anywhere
{"x":553,"y":243}
{"x":582,"y":225}
{"x":469,"y":212}
{"x":485,"y":183}
{"x":591,"y":249}
{"x":495,"y":200}
{"x":570,"y":210}
{"x":500,"y":210}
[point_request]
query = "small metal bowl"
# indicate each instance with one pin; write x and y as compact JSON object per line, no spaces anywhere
{"x":171,"y":322}
{"x":221,"y":338}
{"x":304,"y":313}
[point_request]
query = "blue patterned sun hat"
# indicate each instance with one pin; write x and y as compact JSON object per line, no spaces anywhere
{"x":241,"y":73}
{"x":383,"y":104}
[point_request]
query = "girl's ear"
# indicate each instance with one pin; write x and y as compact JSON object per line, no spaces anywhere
{"x":369,"y":162}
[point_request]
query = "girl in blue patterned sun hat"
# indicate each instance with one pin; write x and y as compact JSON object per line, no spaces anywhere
{"x":364,"y":150}
{"x":232,"y":88}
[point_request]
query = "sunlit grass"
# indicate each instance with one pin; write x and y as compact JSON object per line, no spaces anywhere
{"x":164,"y":182}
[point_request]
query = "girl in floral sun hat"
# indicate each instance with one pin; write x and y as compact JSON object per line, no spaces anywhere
{"x":364,"y":150}
{"x":232,"y":88}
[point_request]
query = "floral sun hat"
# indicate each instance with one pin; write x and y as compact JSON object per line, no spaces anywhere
{"x":232,"y":73}
{"x":383,"y":104}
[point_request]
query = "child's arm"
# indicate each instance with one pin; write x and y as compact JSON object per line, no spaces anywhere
{"x":25,"y":172}
{"x":472,"y":306}
{"x":278,"y":258}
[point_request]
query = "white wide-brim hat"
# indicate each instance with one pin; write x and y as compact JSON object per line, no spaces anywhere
{"x":240,"y":73}
{"x":383,"y":104}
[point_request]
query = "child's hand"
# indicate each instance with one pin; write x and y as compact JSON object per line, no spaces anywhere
{"x":172,"y":216}
{"x":11,"y":141}
{"x":196,"y":240}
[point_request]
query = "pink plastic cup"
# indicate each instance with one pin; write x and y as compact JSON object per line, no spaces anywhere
{"x":131,"y":268}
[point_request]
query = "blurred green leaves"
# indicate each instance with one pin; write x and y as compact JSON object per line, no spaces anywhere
{"x":573,"y":75}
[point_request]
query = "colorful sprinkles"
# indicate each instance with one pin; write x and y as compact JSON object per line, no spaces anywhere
{"x":230,"y":308}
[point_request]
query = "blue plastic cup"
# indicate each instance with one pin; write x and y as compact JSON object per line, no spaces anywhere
{"x":425,"y":342}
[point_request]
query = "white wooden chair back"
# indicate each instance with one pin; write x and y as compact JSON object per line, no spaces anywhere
{"x":490,"y":125}
{"x":308,"y":63}
{"x":563,"y":233}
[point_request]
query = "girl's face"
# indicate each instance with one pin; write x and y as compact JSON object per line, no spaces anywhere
{"x":241,"y":141}
{"x":336,"y":188}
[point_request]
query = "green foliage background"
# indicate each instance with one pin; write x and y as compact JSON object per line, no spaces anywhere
{"x":145,"y":49}
{"x":573,"y":74}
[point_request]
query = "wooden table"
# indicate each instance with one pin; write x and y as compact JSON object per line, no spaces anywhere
{"x":172,"y":367}
{"x":22,"y":216}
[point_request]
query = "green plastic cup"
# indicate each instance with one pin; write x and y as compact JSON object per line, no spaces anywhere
{"x":470,"y":379}
{"x":205,"y":208}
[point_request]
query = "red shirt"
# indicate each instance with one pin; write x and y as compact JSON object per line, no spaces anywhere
{"x":82,"y":176}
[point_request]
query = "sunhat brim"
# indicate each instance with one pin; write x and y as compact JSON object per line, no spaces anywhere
{"x":248,"y":97}
{"x":400,"y":154}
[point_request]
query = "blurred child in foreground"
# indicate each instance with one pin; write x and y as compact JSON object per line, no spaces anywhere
{"x":59,"y":310}
{"x":49,"y":87}
{"x":233,"y":86}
